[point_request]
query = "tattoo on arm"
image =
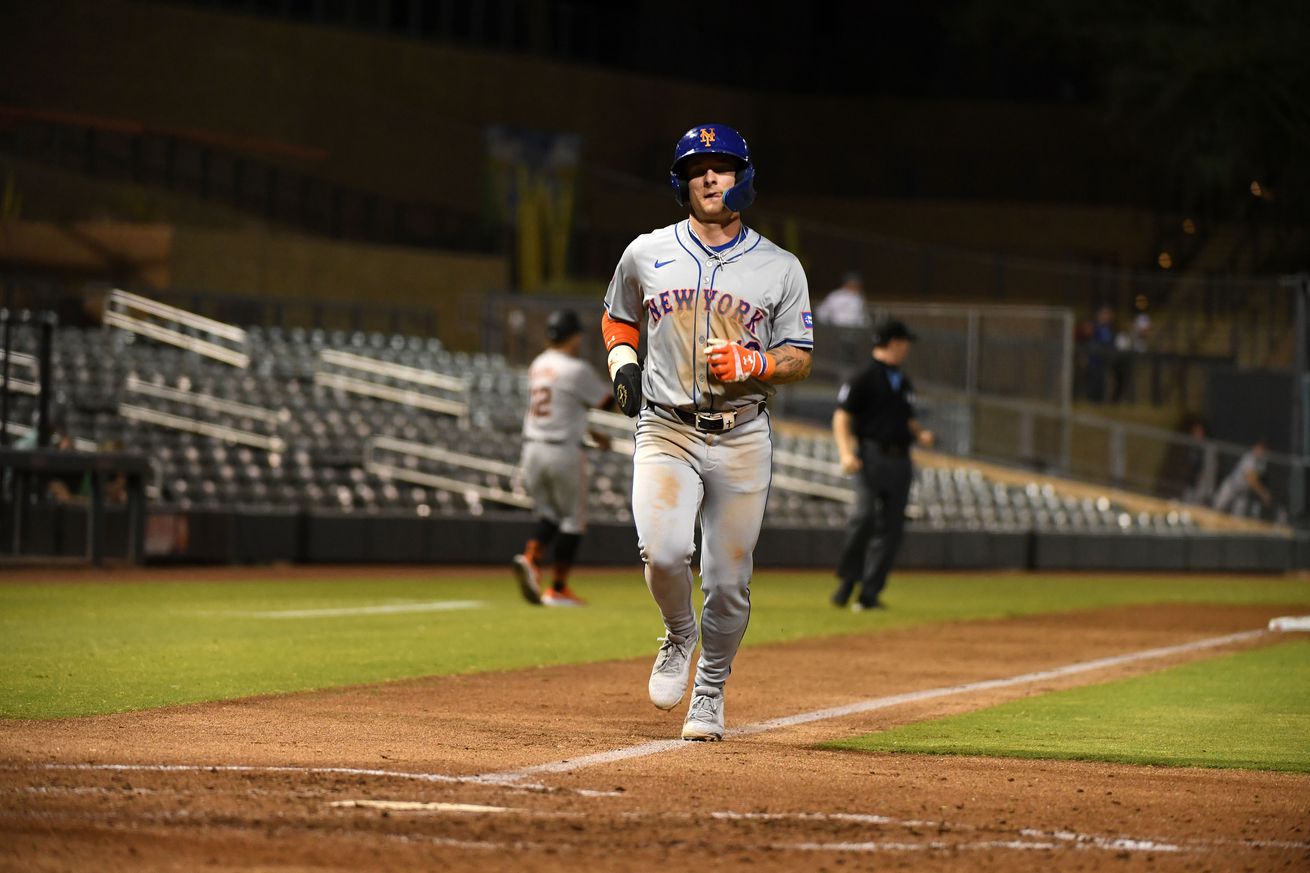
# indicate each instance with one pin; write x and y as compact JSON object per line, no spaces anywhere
{"x":793,"y":365}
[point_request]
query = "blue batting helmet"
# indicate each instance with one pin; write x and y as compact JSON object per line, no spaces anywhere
{"x":715,"y":139}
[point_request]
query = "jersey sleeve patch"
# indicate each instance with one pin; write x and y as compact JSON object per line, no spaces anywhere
{"x":807,"y":319}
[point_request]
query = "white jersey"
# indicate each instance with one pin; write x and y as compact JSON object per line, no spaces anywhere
{"x":561,"y":388}
{"x":1236,"y":489}
{"x":844,"y":307}
{"x":754,"y":292}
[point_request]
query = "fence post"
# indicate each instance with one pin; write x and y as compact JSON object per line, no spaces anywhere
{"x":1300,"y":445}
{"x":4,"y":368}
{"x":971,"y":353}
{"x":1027,"y":427}
{"x":1066,"y":391}
{"x":44,"y":359}
{"x":1118,"y":454}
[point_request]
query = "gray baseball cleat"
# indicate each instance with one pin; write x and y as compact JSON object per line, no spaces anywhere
{"x":529,"y":581}
{"x":705,"y":715}
{"x":668,"y":678}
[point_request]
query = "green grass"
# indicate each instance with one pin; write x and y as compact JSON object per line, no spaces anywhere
{"x":85,"y":648}
{"x":1249,"y":710}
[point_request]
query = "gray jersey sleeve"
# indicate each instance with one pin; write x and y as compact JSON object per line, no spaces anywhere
{"x":624,"y":298}
{"x":793,"y":324}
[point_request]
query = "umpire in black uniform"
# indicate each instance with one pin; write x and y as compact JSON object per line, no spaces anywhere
{"x":874,"y":426}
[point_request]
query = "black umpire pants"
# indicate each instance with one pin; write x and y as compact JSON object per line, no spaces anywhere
{"x":874,"y":535}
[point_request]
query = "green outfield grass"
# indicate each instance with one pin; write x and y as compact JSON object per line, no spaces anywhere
{"x":1249,"y":710}
{"x":85,"y":647}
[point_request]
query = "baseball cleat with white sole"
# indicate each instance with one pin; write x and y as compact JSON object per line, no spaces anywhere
{"x":528,"y":578}
{"x":563,"y":597}
{"x":705,"y":715}
{"x":668,"y":677}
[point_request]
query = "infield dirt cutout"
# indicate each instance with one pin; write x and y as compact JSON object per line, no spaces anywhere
{"x":376,"y":777}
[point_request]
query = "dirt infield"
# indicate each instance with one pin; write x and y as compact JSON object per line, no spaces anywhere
{"x":491,"y":771}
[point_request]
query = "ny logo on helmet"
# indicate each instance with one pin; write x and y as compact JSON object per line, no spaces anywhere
{"x":706,"y":136}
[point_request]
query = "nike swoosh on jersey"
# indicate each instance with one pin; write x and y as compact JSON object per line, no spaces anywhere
{"x":659,"y":263}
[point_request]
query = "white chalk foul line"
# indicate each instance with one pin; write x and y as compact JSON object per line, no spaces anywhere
{"x":420,"y":806}
{"x":308,"y":771}
{"x":656,"y":747}
{"x":1020,"y":839}
{"x":385,"y":609}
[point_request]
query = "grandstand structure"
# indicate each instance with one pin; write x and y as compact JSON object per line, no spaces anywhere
{"x":294,"y":443}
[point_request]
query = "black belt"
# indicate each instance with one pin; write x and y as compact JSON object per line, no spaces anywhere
{"x":891,"y":450}
{"x":558,"y":442}
{"x":712,"y":422}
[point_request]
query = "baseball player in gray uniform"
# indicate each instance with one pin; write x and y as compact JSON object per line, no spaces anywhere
{"x":727,"y":317}
{"x":561,"y":388}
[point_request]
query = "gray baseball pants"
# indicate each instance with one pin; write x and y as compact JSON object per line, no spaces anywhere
{"x":681,"y":476}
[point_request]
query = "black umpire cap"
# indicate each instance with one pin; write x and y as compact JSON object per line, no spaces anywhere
{"x":890,"y":330}
{"x":562,"y":324}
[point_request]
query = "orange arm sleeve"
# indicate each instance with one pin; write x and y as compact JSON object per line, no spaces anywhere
{"x":618,"y":333}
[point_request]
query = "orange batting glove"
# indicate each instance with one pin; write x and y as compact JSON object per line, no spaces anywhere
{"x":733,"y":362}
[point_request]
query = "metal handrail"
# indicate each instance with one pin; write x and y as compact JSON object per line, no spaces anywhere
{"x":181,"y":316}
{"x":394,"y":371}
{"x":129,"y":302}
{"x":21,"y":359}
{"x":432,"y":453}
{"x":615,"y":420}
{"x":205,"y":428}
{"x":815,"y":465}
{"x":404,"y":396}
{"x":80,"y":444}
{"x":206,"y":401}
{"x":814,"y":489}
{"x":1096,"y":421}
{"x":444,"y":483}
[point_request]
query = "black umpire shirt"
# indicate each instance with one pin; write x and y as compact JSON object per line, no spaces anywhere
{"x":881,"y":401}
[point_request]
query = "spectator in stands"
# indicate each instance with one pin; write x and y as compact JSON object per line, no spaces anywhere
{"x":115,"y":487}
{"x":1202,"y":467}
{"x":1140,"y":337}
{"x":1245,"y":480}
{"x":1128,"y":344}
{"x":845,"y":306}
{"x":1100,"y":353}
{"x":844,"y":317}
{"x":60,"y":488}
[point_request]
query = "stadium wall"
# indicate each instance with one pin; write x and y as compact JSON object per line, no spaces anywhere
{"x":324,"y":536}
{"x":401,"y":114}
{"x":253,"y":261}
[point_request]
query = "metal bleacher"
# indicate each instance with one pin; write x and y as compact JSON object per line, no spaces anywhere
{"x":371,"y":422}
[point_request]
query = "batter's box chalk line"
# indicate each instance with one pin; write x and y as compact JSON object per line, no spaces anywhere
{"x":970,"y":836}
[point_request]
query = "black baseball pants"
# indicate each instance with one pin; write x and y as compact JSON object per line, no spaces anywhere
{"x":874,"y":535}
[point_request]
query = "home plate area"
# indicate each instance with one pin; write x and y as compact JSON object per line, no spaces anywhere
{"x":807,"y":810}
